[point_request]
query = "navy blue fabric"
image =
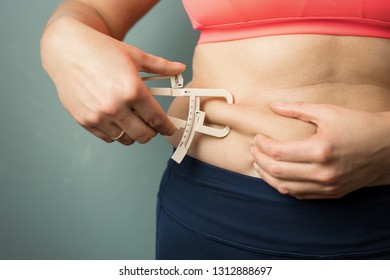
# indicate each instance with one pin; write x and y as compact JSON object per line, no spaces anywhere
{"x":205,"y":212}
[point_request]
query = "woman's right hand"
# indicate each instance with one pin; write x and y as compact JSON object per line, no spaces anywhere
{"x":98,"y":82}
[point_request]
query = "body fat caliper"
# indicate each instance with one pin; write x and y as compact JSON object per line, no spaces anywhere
{"x":196,"y":117}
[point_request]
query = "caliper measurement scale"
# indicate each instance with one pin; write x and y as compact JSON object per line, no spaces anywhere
{"x":195,"y":117}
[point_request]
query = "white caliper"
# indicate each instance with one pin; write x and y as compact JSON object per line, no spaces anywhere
{"x":196,"y":117}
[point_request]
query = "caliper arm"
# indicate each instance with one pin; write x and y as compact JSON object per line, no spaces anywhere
{"x":196,"y":117}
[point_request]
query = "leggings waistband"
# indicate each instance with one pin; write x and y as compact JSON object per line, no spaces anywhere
{"x":247,"y":212}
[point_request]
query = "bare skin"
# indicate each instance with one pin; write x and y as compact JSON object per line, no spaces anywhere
{"x":337,"y":116}
{"x":97,"y":75}
{"x":328,"y":137}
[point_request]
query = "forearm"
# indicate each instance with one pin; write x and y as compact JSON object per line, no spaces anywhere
{"x":111,"y":17}
{"x":73,"y":21}
{"x":76,"y":11}
{"x":97,"y":76}
{"x":78,"y":23}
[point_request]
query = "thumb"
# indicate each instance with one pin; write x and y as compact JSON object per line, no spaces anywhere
{"x":298,"y":110}
{"x":157,"y":65}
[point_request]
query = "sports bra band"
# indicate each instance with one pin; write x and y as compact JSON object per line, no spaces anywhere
{"x":225,"y":20}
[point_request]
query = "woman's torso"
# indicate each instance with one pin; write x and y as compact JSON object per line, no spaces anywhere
{"x":347,"y":71}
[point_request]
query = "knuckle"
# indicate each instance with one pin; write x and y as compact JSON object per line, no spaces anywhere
{"x":276,"y":153}
{"x":133,"y":92}
{"x":296,"y":107}
{"x":329,"y":190}
{"x":126,"y":88}
{"x":284,"y":191}
{"x":109,"y":109}
{"x":139,"y":55}
{"x":107,"y":140}
{"x":129,"y":90}
{"x":145,"y":138}
{"x":157,"y":120}
{"x":125,"y":93}
{"x":327,"y":176}
{"x":275,"y":170}
{"x":332,"y":192}
{"x":324,"y":152}
{"x":91,"y":120}
{"x":127,"y":142}
{"x":282,"y":188}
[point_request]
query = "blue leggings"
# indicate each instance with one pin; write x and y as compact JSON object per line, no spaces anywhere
{"x":205,"y":212}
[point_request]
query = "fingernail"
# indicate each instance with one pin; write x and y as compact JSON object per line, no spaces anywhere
{"x":179,"y":63}
{"x":255,"y":166}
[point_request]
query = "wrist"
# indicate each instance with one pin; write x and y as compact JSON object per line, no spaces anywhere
{"x":80,"y":12}
{"x":55,"y":39}
{"x":66,"y":41}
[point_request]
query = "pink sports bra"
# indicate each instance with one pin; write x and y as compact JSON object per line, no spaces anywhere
{"x":225,"y":20}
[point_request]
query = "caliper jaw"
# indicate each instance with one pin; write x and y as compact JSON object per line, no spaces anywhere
{"x":196,"y":117}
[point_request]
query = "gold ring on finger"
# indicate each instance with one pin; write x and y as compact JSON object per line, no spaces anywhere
{"x":119,"y":136}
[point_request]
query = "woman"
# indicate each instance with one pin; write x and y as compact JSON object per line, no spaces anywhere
{"x":304,"y":172}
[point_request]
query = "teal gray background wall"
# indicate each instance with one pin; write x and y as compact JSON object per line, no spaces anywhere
{"x":63,"y":193}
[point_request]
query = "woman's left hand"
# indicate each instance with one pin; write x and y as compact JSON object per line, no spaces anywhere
{"x":350,"y":150}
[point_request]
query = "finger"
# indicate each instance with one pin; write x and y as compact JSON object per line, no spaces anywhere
{"x":150,"y":111}
{"x":291,"y":171}
{"x":125,"y":140}
{"x":298,"y":110}
{"x":135,"y":127}
{"x":272,"y":181}
{"x":138,"y":115}
{"x":121,"y":136}
{"x":312,"y":149}
{"x":300,"y":190}
{"x":154,"y":64}
{"x":106,"y":130}
{"x":110,"y":132}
